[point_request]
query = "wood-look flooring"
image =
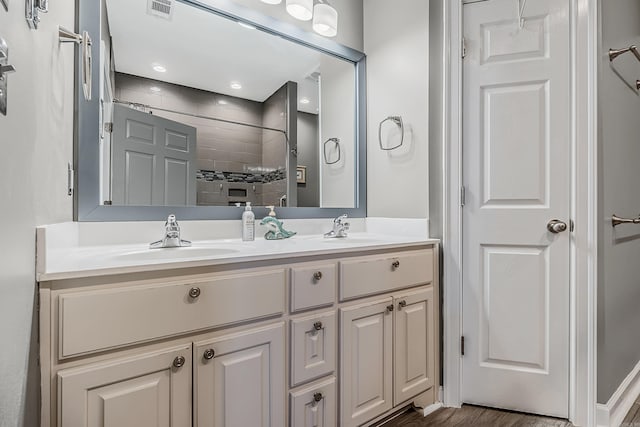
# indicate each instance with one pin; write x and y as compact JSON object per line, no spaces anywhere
{"x":476,"y":416}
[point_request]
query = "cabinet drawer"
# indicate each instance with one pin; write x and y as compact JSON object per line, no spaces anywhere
{"x":96,"y":320}
{"x":313,"y":347}
{"x":313,"y":286}
{"x":385,"y":273}
{"x":314,"y":405}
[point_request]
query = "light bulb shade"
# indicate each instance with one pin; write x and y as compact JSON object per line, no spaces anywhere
{"x":272,"y":1}
{"x":300,"y":9}
{"x":325,"y":20}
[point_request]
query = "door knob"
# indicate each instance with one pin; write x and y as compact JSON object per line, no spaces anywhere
{"x":556,"y":226}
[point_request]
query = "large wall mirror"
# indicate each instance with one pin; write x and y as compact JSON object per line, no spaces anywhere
{"x":200,"y":107}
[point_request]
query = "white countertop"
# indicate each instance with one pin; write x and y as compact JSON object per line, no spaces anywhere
{"x":77,"y":250}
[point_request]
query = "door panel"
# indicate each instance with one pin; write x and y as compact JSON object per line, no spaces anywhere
{"x":366,"y":345}
{"x":112,"y":394}
{"x":414,"y":349}
{"x":242,"y":384}
{"x":516,"y":166}
{"x":154,"y":160}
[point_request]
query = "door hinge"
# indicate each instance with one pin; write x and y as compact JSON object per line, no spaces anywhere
{"x":462,"y":345}
{"x":572,"y":226}
{"x":463,"y":196}
{"x":70,"y":179}
{"x":464,"y":48}
{"x":108,"y":127}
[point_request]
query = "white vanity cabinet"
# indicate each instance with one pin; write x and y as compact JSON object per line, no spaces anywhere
{"x":338,"y":339}
{"x":239,"y":379}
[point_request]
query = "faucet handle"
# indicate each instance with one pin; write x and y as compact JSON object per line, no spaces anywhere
{"x":341,"y":218}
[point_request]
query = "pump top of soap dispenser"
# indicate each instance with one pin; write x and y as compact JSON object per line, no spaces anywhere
{"x":247,"y":207}
{"x":272,"y":212}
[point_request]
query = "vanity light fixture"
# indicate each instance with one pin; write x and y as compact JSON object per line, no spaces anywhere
{"x":155,"y":89}
{"x":325,"y":19}
{"x":159,"y":68}
{"x":272,"y":1}
{"x":236,"y":85}
{"x":300,"y":9}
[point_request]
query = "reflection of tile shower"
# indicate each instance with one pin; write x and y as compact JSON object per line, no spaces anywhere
{"x":240,"y":143}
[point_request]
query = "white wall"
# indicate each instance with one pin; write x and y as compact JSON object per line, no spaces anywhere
{"x":36,"y":139}
{"x":619,"y":249}
{"x":396,"y":41}
{"x":349,"y":19}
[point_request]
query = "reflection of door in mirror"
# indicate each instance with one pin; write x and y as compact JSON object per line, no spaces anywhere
{"x":153,"y":160}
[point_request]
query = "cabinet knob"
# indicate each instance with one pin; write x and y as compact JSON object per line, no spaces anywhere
{"x":402,"y":304}
{"x":208,"y":354}
{"x":317,"y":276}
{"x":194,"y":293}
{"x":390,"y":308}
{"x":396,"y":264}
{"x":317,"y":397}
{"x":178,"y":362}
{"x":317,"y":326}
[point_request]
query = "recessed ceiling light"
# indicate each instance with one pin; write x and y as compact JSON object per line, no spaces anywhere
{"x":159,"y":68}
{"x":222,"y":102}
{"x":236,"y":85}
{"x":304,"y":101}
{"x":155,"y":89}
{"x":272,"y":1}
{"x":245,"y":25}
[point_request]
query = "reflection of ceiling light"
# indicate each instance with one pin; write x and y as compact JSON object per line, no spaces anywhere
{"x":155,"y":89}
{"x":304,"y":101}
{"x":222,"y":102}
{"x":300,"y":9}
{"x":272,"y":1}
{"x":245,"y":25}
{"x":325,"y":20}
{"x":159,"y":68}
{"x":236,"y":85}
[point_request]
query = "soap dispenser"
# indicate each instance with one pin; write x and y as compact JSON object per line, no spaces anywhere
{"x":248,"y":224}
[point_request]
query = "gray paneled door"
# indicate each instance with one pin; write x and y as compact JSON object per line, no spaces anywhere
{"x":153,"y":160}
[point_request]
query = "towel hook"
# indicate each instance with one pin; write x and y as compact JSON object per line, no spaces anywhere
{"x":337,"y":145}
{"x":400,"y":123}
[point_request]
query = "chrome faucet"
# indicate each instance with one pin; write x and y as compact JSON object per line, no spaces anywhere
{"x":171,"y":236}
{"x":340,"y":227}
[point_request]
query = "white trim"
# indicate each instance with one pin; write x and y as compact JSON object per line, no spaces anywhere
{"x":582,"y":400}
{"x":612,"y":414}
{"x":430,"y":409}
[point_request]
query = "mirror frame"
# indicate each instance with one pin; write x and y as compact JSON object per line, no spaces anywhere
{"x":88,"y":207}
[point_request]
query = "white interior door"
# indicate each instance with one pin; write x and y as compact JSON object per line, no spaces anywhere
{"x":516,"y":170}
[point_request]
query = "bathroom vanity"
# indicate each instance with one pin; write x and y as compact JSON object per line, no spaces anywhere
{"x":307,"y":331}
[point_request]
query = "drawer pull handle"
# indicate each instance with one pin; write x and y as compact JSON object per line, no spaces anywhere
{"x":194,"y":293}
{"x":402,"y":304}
{"x":395,"y":265}
{"x":208,"y":354}
{"x":317,"y":326}
{"x":317,"y":276}
{"x":317,"y":397}
{"x":390,"y":308}
{"x":178,"y":362}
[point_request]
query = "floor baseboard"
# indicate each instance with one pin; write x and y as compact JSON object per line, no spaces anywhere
{"x":614,"y":411}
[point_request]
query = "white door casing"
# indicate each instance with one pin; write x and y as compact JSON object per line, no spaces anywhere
{"x":516,"y":169}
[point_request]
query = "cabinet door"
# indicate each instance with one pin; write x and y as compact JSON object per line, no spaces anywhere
{"x":315,"y":405}
{"x":148,"y":390}
{"x":414,"y":344}
{"x":366,"y":368}
{"x":240,"y":379}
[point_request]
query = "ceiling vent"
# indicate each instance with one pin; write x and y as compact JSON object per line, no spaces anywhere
{"x":161,"y":8}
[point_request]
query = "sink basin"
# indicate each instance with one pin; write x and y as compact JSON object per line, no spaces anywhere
{"x":168,"y":254}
